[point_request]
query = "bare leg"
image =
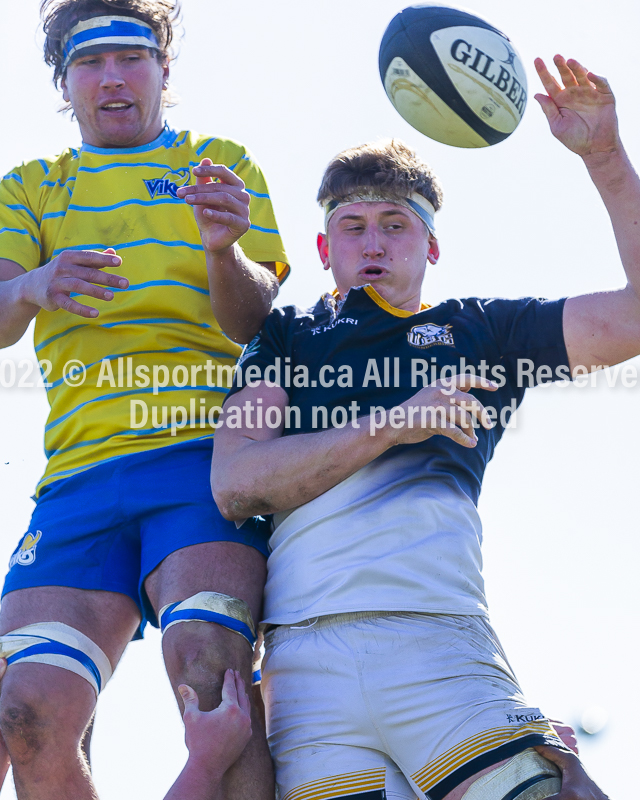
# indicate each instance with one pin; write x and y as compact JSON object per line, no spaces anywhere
{"x":45,"y":710}
{"x":198,"y":653}
{"x":85,"y":744}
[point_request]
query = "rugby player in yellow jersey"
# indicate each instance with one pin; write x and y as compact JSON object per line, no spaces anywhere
{"x":102,"y":247}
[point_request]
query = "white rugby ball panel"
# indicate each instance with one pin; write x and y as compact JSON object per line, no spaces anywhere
{"x":486,"y":71}
{"x":421,"y":107}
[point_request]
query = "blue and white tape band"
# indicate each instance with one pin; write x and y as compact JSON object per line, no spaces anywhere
{"x":105,"y":31}
{"x":230,"y":612}
{"x":58,"y":645}
{"x":420,"y":206}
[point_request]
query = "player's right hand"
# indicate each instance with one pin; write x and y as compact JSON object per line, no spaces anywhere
{"x":450,"y":411}
{"x":576,"y":783}
{"x":73,"y":272}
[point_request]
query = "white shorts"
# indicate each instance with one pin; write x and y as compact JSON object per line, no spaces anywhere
{"x":400,"y":704}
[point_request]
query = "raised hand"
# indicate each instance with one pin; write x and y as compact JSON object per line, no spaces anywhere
{"x":221,"y":208}
{"x":215,"y":739}
{"x":581,"y":113}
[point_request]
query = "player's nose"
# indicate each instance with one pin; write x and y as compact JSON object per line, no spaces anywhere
{"x":111,"y":75}
{"x":373,"y":244}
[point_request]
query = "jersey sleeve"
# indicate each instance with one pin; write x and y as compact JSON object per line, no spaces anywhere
{"x":19,"y":229}
{"x":530,"y":338}
{"x":262,"y":242}
{"x":264,"y":357}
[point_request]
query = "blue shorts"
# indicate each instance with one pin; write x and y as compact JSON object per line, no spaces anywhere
{"x":109,"y":527}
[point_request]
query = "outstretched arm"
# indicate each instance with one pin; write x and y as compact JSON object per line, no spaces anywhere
{"x":600,"y":329}
{"x":241,"y":290}
{"x":215,"y":739}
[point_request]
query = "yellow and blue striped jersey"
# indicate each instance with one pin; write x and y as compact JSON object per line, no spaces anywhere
{"x":94,"y":198}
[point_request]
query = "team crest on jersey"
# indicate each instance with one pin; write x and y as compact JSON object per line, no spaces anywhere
{"x":169,"y":183}
{"x":429,"y":334}
{"x":26,"y":553}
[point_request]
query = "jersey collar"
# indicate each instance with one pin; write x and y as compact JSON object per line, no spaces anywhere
{"x":378,"y":300}
{"x":164,"y":140}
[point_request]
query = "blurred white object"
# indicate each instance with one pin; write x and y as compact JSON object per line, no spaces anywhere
{"x":593,"y":719}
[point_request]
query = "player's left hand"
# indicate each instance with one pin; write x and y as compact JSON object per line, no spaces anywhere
{"x":221,"y":208}
{"x":576,"y":784}
{"x":215,"y":739}
{"x":582,"y":112}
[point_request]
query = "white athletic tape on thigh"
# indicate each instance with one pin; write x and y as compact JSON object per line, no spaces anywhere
{"x":230,"y":612}
{"x":527,"y":776}
{"x":58,"y":645}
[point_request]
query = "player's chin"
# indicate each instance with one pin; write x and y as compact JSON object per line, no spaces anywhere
{"x":119,"y":131}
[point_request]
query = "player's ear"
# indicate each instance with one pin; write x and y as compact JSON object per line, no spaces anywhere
{"x":165,"y":75}
{"x":323,"y":250}
{"x":434,"y":250}
{"x":65,"y":93}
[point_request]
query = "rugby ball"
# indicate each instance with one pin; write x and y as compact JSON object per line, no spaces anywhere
{"x":453,"y":76}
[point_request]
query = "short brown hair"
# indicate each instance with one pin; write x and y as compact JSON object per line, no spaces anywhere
{"x":388,"y":165}
{"x":59,"y":16}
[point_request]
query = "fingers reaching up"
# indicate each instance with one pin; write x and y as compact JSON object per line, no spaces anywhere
{"x":580,"y":108}
{"x":218,"y":737}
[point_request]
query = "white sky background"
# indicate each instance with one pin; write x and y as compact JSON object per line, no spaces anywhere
{"x":297,"y":82}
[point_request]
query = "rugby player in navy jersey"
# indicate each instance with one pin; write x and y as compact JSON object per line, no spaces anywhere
{"x":382,"y":673}
{"x":125,"y":530}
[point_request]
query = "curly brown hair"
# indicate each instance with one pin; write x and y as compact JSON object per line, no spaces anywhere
{"x":59,"y":16}
{"x":388,"y":165}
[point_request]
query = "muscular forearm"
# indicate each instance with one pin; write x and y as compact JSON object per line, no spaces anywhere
{"x":256,"y":470}
{"x":241,"y":293}
{"x":263,"y":477}
{"x":619,"y":186}
{"x":15,"y":312}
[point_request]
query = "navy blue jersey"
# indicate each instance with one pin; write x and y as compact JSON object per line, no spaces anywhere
{"x":367,"y":353}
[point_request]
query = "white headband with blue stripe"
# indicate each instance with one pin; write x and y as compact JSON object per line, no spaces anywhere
{"x":105,"y":31}
{"x":416,"y":203}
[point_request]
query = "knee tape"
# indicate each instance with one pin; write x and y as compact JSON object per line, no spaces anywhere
{"x":227,"y":611}
{"x":527,"y":776}
{"x":58,"y":645}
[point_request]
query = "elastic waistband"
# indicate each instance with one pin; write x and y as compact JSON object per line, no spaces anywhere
{"x":274,"y":634}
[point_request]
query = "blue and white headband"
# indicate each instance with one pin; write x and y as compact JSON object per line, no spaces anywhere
{"x":416,"y":203}
{"x":128,"y":31}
